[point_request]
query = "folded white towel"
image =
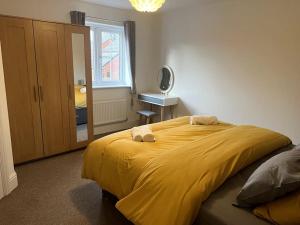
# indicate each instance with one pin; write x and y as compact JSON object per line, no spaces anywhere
{"x":203,"y":120}
{"x":142,"y":133}
{"x":136,"y":134}
{"x":148,"y":137}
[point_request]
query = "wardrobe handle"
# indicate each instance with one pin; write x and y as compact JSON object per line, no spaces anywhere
{"x":41,"y":93}
{"x":35,"y":94}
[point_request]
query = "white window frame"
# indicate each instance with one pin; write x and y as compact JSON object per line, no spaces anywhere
{"x":98,"y":27}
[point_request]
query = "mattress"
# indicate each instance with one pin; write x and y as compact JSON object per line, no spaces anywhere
{"x":218,"y":209}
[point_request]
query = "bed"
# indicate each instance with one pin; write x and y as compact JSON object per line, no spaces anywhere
{"x":218,"y":209}
{"x":145,"y":176}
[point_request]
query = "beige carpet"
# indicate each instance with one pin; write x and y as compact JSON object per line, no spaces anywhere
{"x":51,"y":192}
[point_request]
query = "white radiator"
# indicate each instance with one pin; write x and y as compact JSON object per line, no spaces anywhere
{"x":110,"y":111}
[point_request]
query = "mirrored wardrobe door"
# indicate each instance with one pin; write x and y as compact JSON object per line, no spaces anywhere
{"x":80,"y":87}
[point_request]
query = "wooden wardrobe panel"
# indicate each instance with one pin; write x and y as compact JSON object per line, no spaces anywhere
{"x":53,"y":83}
{"x":19,"y":63}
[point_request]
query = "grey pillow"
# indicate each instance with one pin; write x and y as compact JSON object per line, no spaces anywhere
{"x":274,"y":178}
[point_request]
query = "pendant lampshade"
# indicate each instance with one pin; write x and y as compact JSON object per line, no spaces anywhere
{"x":147,"y":5}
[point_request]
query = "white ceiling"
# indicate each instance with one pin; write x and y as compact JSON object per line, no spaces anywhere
{"x":124,"y":4}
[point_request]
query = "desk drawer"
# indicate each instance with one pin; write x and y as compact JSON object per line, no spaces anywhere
{"x":151,"y":100}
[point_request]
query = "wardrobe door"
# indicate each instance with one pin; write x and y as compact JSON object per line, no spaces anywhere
{"x":17,"y":43}
{"x":52,"y":79}
{"x":77,"y":39}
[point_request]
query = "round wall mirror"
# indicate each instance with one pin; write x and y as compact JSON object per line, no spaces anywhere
{"x":166,"y":79}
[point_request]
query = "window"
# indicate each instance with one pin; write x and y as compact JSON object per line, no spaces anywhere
{"x":108,"y":55}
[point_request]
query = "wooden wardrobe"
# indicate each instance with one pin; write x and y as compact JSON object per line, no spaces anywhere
{"x":39,"y":79}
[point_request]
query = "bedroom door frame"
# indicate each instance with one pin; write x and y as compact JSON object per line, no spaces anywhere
{"x":8,"y":176}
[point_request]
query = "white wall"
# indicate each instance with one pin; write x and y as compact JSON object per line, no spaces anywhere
{"x":239,"y":60}
{"x":8,"y":176}
{"x":78,"y":57}
{"x":146,"y":62}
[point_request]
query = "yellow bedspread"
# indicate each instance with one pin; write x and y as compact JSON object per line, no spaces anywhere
{"x":115,"y":161}
{"x":164,"y":183}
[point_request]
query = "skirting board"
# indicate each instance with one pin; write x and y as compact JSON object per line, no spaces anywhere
{"x":8,"y":186}
{"x":115,"y":127}
{"x":12,"y":183}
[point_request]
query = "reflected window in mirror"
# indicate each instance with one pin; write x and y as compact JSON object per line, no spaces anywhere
{"x":109,"y":65}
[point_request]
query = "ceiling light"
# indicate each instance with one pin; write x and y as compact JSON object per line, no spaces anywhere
{"x":147,"y":5}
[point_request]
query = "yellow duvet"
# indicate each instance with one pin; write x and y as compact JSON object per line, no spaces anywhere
{"x":164,"y":183}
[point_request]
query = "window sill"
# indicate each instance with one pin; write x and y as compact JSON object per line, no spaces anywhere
{"x":111,"y":87}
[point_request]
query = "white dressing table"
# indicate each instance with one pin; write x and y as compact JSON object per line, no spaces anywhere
{"x":166,"y":80}
{"x":161,"y":100}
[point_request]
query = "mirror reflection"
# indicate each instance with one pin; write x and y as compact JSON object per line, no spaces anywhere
{"x":166,"y":79}
{"x":80,"y":87}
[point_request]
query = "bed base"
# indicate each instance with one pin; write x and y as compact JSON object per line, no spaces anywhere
{"x":108,"y":195}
